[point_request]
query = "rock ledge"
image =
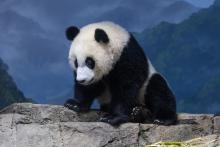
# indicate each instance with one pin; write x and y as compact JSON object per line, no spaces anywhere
{"x":38,"y":125}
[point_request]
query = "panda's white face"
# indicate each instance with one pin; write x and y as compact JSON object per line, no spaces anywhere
{"x":84,"y":66}
{"x":95,"y":50}
{"x":84,"y":70}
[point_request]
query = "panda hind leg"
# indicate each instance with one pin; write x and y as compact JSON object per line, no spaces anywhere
{"x":160,"y":101}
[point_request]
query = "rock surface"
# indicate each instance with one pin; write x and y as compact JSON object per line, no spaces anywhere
{"x":37,"y":125}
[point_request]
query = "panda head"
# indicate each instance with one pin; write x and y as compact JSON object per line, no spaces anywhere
{"x":95,"y":49}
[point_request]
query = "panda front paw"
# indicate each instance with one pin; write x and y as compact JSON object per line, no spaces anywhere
{"x":140,"y":114}
{"x":72,"y":105}
{"x":75,"y":106}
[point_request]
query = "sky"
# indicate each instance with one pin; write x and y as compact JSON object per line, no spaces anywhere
{"x":201,"y":3}
{"x":33,"y":44}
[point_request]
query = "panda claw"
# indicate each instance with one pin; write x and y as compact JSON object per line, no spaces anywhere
{"x":72,"y":107}
{"x":68,"y":106}
{"x":156,"y":121}
{"x":103,"y":119}
{"x":136,"y":111}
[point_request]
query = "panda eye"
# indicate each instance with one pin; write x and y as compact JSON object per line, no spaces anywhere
{"x":76,"y":63}
{"x":90,"y":62}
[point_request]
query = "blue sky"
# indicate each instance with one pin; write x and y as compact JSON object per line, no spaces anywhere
{"x":201,"y":3}
{"x":33,"y":44}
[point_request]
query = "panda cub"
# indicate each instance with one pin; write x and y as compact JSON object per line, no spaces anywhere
{"x":110,"y":65}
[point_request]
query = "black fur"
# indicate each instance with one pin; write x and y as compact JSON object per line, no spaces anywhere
{"x":72,"y":32}
{"x":90,"y":62}
{"x":160,"y":99}
{"x":124,"y":82}
{"x":141,"y":114}
{"x":84,"y":95}
{"x":101,"y":36}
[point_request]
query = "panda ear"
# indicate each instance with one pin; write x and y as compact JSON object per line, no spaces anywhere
{"x":101,"y":36}
{"x":71,"y":32}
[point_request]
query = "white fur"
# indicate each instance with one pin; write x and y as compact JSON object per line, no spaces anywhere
{"x":142,"y":91}
{"x":151,"y":69}
{"x":105,"y":55}
{"x":84,"y":73}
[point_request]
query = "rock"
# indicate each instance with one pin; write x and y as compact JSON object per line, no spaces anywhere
{"x":207,"y":141}
{"x":38,"y":113}
{"x":99,"y":134}
{"x":78,"y":134}
{"x":38,"y":125}
{"x":217,"y":124}
{"x":30,"y":125}
{"x":190,"y":126}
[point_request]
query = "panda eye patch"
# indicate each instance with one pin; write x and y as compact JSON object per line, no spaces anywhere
{"x":76,"y":63}
{"x":90,"y":63}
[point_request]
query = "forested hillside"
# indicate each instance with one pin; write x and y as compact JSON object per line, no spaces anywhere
{"x":188,"y":55}
{"x":9,"y":92}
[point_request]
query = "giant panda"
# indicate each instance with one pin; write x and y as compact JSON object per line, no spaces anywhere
{"x":109,"y":65}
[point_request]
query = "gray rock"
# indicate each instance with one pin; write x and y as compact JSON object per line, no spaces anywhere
{"x":7,"y":137}
{"x":99,"y":135}
{"x":78,"y":134}
{"x":30,"y":125}
{"x":190,"y":126}
{"x":217,"y":124}
{"x":207,"y":141}
{"x":39,"y":113}
{"x":36,"y":125}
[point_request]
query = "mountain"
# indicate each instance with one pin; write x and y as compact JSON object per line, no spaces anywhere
{"x":188,"y":55}
{"x":9,"y":92}
{"x":177,"y":11}
{"x":209,"y":96}
{"x":147,"y":13}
